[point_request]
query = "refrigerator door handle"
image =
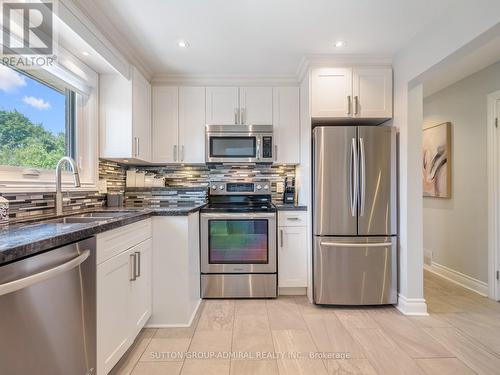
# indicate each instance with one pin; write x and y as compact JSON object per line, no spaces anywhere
{"x":346,"y":244}
{"x":362,"y":176}
{"x":353,"y":177}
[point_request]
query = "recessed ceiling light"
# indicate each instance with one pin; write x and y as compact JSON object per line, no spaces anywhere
{"x":85,"y":53}
{"x":339,"y":43}
{"x":183,"y":44}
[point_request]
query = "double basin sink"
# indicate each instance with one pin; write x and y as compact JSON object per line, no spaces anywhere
{"x":90,"y":217}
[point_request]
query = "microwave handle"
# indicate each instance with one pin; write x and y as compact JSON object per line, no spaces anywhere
{"x":258,"y":149}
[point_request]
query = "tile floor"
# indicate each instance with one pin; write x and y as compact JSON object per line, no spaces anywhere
{"x":290,"y":336}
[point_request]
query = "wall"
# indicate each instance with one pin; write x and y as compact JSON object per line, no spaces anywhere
{"x":456,"y":229}
{"x":460,"y":26}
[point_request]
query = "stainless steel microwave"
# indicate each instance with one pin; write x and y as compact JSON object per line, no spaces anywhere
{"x":239,"y":144}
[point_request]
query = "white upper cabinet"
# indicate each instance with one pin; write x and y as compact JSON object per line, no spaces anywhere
{"x":165,"y":124}
{"x":286,"y":125}
{"x":125,"y":117}
{"x":178,"y":124}
{"x":372,"y":92}
{"x":364,"y":93}
{"x":332,"y":92}
{"x":239,"y":106}
{"x":256,"y":105}
{"x":192,"y":124}
{"x":222,"y":105}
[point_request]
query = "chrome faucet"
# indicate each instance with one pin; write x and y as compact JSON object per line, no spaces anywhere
{"x":76,"y":180}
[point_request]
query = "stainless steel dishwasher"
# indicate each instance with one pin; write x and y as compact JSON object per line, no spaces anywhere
{"x":48,"y":312}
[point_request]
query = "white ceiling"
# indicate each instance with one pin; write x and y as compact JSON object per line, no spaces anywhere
{"x":263,"y":37}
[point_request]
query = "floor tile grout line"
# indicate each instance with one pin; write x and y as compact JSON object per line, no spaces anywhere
{"x":197,"y":318}
{"x":143,"y":351}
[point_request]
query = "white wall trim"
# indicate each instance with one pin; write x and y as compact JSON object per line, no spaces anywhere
{"x":180,"y":325}
{"x":456,"y":277}
{"x":493,"y":191}
{"x":412,"y":306}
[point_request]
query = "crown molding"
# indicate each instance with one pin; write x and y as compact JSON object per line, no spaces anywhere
{"x":222,"y":80}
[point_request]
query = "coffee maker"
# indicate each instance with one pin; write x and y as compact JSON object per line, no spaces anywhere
{"x":289,"y":192}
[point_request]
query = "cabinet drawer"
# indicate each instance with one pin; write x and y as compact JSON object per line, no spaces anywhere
{"x":117,"y":240}
{"x":292,"y":218}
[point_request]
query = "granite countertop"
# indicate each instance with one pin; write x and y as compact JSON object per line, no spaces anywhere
{"x":290,"y":207}
{"x":21,"y":240}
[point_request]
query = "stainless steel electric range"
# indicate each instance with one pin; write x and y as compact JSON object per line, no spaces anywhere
{"x":238,"y":241}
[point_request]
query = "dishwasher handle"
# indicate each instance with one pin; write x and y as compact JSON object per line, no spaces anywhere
{"x":25,"y":282}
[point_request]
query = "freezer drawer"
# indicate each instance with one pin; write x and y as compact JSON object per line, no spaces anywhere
{"x":355,"y":271}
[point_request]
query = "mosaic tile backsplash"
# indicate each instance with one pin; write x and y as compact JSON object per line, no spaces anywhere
{"x":200,"y":176}
{"x":184,"y":185}
{"x":29,"y":206}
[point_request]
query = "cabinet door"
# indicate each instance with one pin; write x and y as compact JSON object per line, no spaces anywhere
{"x":256,"y":105}
{"x":165,"y":124}
{"x":222,"y":105}
{"x":292,"y":261}
{"x":140,"y":289}
{"x":192,"y":124}
{"x":113,"y":324}
{"x":286,"y":125}
{"x":332,"y":92}
{"x":372,"y":92}
{"x":141,"y":117}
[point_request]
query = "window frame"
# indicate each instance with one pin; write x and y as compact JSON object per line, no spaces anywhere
{"x":84,"y":140}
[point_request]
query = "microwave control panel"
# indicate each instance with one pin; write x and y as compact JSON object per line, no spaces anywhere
{"x":267,"y":147}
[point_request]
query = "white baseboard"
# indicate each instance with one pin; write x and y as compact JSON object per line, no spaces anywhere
{"x":412,"y":306}
{"x":427,"y":256}
{"x":180,"y":325}
{"x":465,"y":281}
{"x":294,"y":291}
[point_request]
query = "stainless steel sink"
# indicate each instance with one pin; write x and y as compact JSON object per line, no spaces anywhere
{"x":89,"y":217}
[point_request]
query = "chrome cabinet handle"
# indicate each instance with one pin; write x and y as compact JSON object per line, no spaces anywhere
{"x":281,"y":237}
{"x":25,"y":282}
{"x":133,"y":263}
{"x":362,"y":176}
{"x":175,"y":152}
{"x":242,"y":116}
{"x":293,"y":218}
{"x":138,"y":264}
{"x":136,"y":140}
{"x":348,"y":104}
{"x":275,"y":152}
{"x":258,"y":149}
{"x":345,"y":244}
{"x":353,"y":177}
{"x":182,"y":153}
{"x":236,"y":112}
{"x":356,"y":105}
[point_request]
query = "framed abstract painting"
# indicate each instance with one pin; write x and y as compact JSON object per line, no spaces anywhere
{"x":436,"y":161}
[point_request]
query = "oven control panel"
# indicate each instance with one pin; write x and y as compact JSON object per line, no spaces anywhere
{"x":240,"y":188}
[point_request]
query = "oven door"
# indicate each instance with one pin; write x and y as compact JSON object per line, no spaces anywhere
{"x":238,"y":242}
{"x":232,"y":147}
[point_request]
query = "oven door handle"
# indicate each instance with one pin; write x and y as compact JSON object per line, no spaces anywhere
{"x":263,"y":215}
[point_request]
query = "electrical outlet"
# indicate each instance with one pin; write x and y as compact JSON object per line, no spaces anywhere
{"x":280,"y":187}
{"x":102,"y":186}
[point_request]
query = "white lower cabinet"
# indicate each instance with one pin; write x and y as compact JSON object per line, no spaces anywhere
{"x":292,"y":256}
{"x":124,"y":295}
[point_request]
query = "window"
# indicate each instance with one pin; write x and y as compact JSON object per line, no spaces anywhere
{"x":37,"y":121}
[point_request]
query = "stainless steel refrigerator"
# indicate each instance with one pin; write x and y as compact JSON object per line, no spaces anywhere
{"x":354,"y":215}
